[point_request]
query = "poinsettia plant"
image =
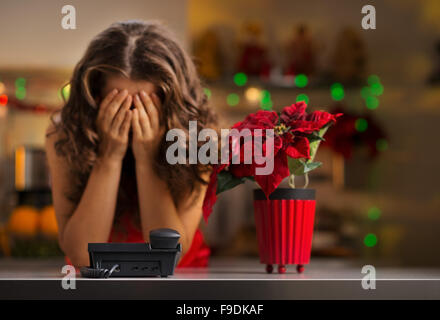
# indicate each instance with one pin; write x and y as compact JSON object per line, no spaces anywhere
{"x":296,"y":139}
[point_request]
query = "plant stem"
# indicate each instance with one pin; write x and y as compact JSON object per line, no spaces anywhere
{"x":292,"y":181}
{"x":306,"y":177}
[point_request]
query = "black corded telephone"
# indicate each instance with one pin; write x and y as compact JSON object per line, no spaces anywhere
{"x":157,"y":258}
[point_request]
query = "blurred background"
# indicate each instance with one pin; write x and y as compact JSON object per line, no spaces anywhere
{"x":378,"y":194}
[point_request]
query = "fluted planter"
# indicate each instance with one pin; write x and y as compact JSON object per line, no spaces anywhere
{"x":284,"y":225}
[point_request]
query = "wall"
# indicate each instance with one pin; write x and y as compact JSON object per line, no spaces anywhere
{"x":32,"y":34}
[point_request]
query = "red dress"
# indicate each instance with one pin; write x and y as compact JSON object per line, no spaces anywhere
{"x":197,"y":255}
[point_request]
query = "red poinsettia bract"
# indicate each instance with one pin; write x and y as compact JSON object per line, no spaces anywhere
{"x":291,"y":128}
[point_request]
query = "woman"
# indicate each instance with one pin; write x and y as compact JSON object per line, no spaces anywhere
{"x":106,"y":147}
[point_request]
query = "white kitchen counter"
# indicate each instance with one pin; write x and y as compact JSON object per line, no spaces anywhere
{"x":224,"y":279}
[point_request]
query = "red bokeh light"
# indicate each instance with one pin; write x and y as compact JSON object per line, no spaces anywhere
{"x":3,"y":99}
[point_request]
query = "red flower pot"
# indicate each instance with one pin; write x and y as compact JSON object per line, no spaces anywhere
{"x":284,"y":225}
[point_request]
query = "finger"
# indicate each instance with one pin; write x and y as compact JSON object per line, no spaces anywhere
{"x":120,"y":116}
{"x":137,"y":130}
{"x":144,"y":120}
{"x":125,"y":126}
{"x":106,"y":101}
{"x":114,"y":106}
{"x":151,"y":109}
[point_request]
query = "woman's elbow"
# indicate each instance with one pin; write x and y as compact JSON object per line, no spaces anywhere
{"x":78,"y":257}
{"x":185,"y":244}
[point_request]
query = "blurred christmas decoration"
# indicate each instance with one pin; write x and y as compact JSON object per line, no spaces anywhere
{"x":253,"y":58}
{"x":355,"y":130}
{"x":300,"y":53}
{"x":15,"y":103}
{"x":349,"y":59}
{"x":207,"y":50}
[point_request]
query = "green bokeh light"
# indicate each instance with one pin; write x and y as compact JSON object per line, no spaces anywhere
{"x":65,"y":92}
{"x":381,"y":144}
{"x":266,"y":105}
{"x":373,"y":79}
{"x":20,"y":93}
{"x":374,"y":213}
{"x":337,"y":91}
{"x":370,"y":240}
{"x":20,"y":82}
{"x":366,"y":92}
{"x":207,"y":92}
{"x":372,"y":102}
{"x":266,"y":101}
{"x":302,"y":97}
{"x":232,"y":99}
{"x":240,"y":79}
{"x":265,"y":96}
{"x":377,"y":89}
{"x":361,"y":125}
{"x":301,"y":80}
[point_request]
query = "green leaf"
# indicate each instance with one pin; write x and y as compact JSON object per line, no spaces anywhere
{"x":314,"y":144}
{"x":226,"y":181}
{"x":315,"y":137}
{"x":300,"y":167}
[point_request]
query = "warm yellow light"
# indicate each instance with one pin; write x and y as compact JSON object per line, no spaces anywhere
{"x":20,"y":174}
{"x":2,"y":87}
{"x":253,"y":94}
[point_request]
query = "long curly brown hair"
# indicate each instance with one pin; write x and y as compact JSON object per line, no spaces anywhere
{"x":137,"y":50}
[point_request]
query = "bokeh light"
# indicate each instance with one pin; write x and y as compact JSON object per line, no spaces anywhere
{"x":381,"y":144}
{"x":65,"y":92}
{"x":302,"y":97}
{"x":370,"y":240}
{"x":374,"y":213}
{"x":20,"y":82}
{"x":3,"y":100}
{"x":372,"y":79}
{"x":377,"y":88}
{"x":301,"y":80}
{"x":240,"y":79}
{"x":366,"y":92}
{"x":20,"y":93}
{"x":266,"y":100}
{"x":207,"y":92}
{"x":2,"y":87}
{"x":266,"y":105}
{"x":232,"y":99}
{"x":372,"y":102}
{"x":337,"y":91}
{"x":361,"y":125}
{"x":253,"y":94}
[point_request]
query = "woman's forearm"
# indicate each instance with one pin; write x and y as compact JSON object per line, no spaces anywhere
{"x":157,"y":209}
{"x":93,"y":218}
